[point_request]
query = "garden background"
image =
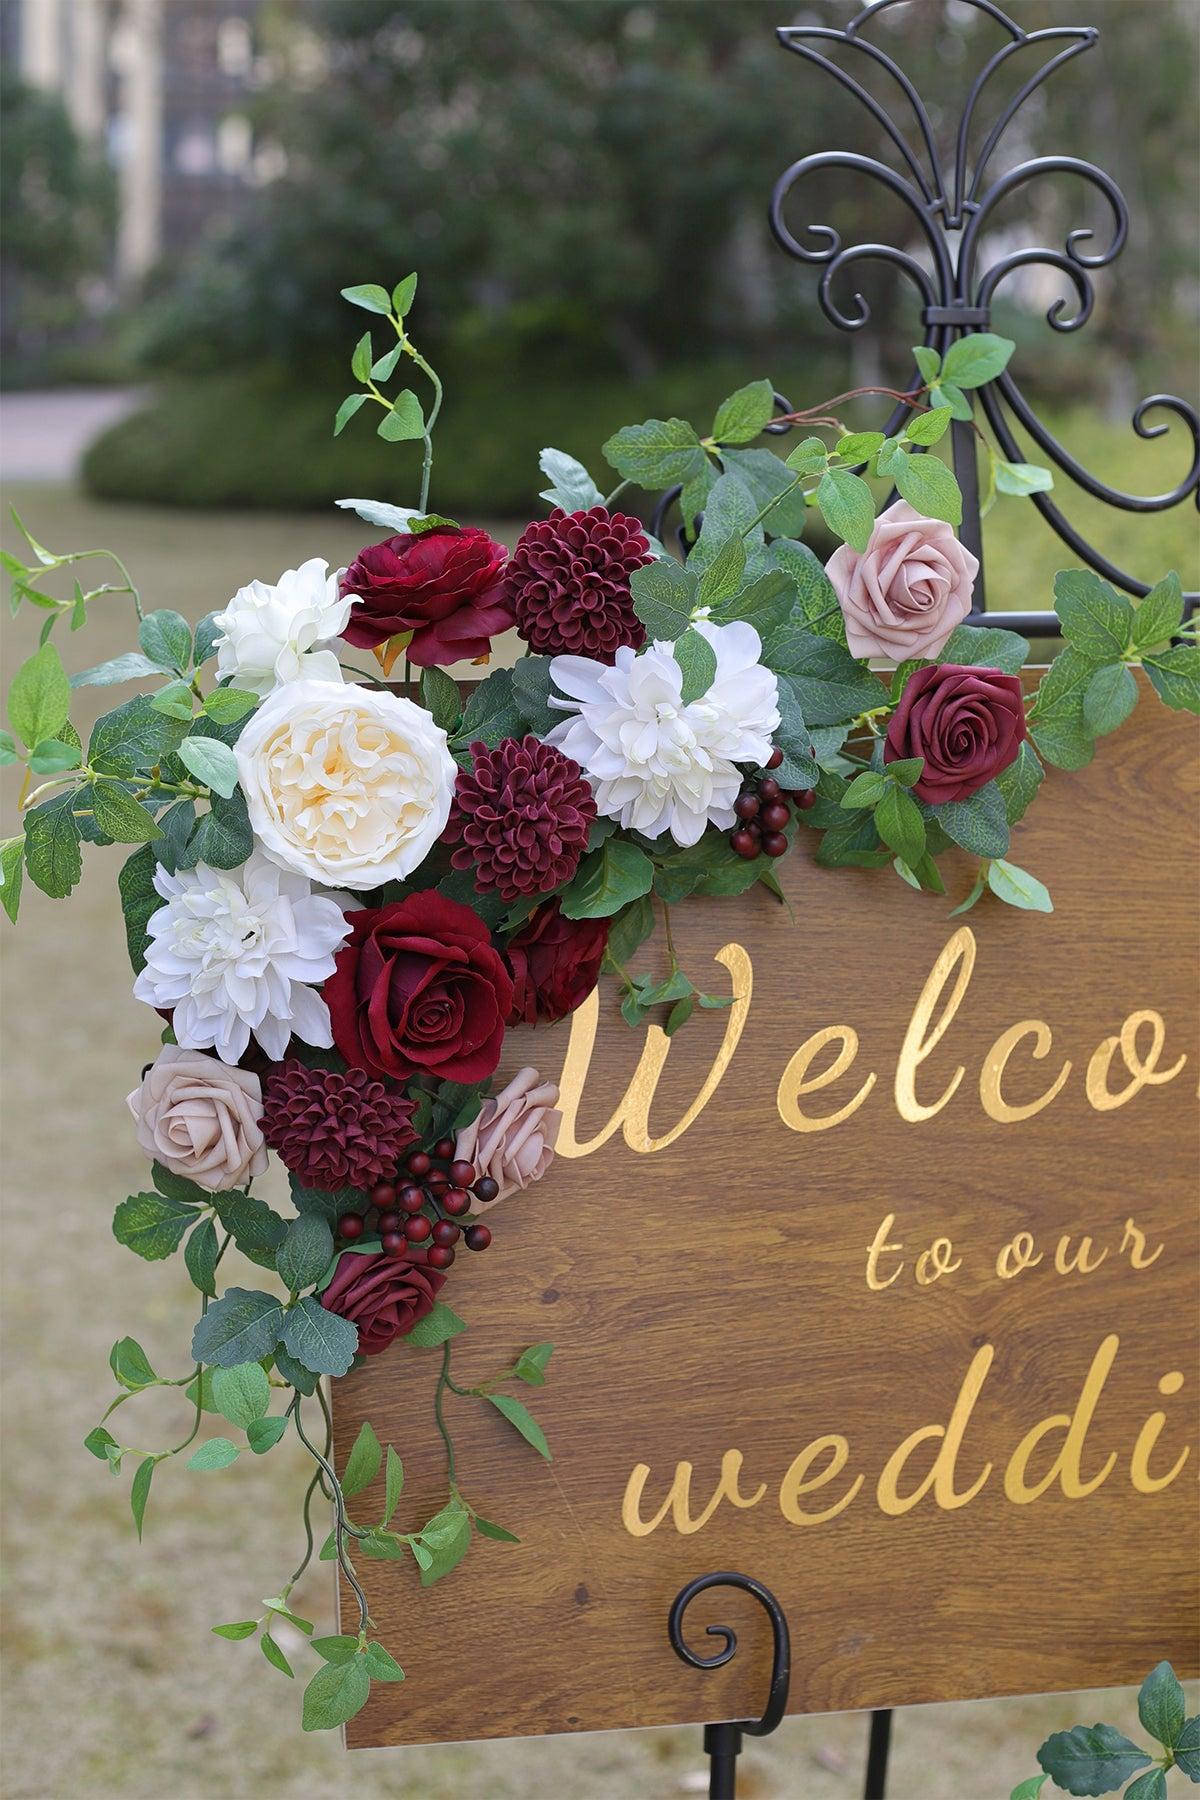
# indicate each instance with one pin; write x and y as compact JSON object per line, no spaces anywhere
{"x":582,"y":184}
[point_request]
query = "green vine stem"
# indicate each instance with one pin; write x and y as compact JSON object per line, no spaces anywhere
{"x":341,"y":1525}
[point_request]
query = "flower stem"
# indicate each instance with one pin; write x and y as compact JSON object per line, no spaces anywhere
{"x":439,"y":1412}
{"x":341,"y":1525}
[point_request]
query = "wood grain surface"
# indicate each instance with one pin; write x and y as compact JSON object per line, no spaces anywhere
{"x":712,"y":1295}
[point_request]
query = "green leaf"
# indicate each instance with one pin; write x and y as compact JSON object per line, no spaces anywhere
{"x":347,"y":410}
{"x":867,"y":789}
{"x":809,"y":457}
{"x":630,"y":929}
{"x":335,"y":1649}
{"x":211,"y":762}
{"x":130,"y":1364}
{"x":899,"y":823}
{"x":133,"y":738}
{"x":1016,"y":887}
{"x":1020,"y":782}
{"x":363,"y":1462}
{"x":404,"y":421}
{"x":370,"y":296}
{"x":1021,"y":478}
{"x":984,"y":645}
{"x":216,"y":1453}
{"x":362,"y":357}
{"x":976,"y":358}
{"x":257,"y":1230}
{"x":698,"y":665}
{"x":766,"y":478}
{"x":382,"y":1665}
{"x":304,"y":1254}
{"x":928,"y":427}
{"x":441,"y":697}
{"x":139,"y":1492}
{"x":175,"y":699}
{"x":829,"y":686}
{"x":242,"y":1393}
{"x":892,"y":453}
{"x":907,"y":770}
{"x":243,"y":1628}
{"x":1030,"y":1788}
{"x":200,"y":1256}
{"x":859,"y":446}
{"x":977,"y":891}
{"x":242,"y":1326}
{"x":766,"y":603}
{"x":847,"y":506}
{"x":1187,"y":1750}
{"x":1109,"y":698}
{"x":99,"y":1441}
{"x":1091,"y":1759}
{"x":445,"y":1540}
{"x":275,"y":1656}
{"x":403,"y":295}
{"x":723,"y":576}
{"x":40,"y":697}
{"x":1159,"y":616}
{"x":166,"y":638}
{"x":1161,"y":1705}
{"x":531,"y":1364}
{"x":657,"y":453}
{"x":1056,"y":714}
{"x":817,"y":608}
{"x":223,"y":839}
{"x":120,"y":817}
{"x":133,"y":666}
{"x":491,"y":712}
{"x":393,"y":1485}
{"x":52,"y":757}
{"x":151,"y":1225}
{"x":1174,"y":675}
{"x":571,"y":487}
{"x":1150,"y":1786}
{"x":743,"y":415}
{"x":523,"y":1420}
{"x":294,"y":1373}
{"x":323,"y":1341}
{"x":12,"y":873}
{"x":979,"y":823}
{"x":664,"y":597}
{"x":440,"y":1323}
{"x":227,"y":704}
{"x":486,"y":1529}
{"x":52,"y":838}
{"x":928,"y":362}
{"x":929,"y":487}
{"x":607,"y":880}
{"x":1095,"y":618}
{"x":263,"y":1434}
{"x":945,"y":393}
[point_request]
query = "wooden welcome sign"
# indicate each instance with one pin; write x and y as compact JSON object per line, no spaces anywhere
{"x":879,"y":1287}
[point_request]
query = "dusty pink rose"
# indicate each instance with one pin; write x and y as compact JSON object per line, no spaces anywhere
{"x":903,"y":595}
{"x":513,"y":1137}
{"x":200,"y":1118}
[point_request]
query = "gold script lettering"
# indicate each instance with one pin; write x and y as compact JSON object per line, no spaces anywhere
{"x":678,"y":1500}
{"x":633,"y":1112}
{"x":796,"y":1080}
{"x":922,"y":1038}
{"x":878,"y":1246}
{"x":941,"y":1474}
{"x":995,"y":1063}
{"x":1134,"y":1241}
{"x":1066,"y":1464}
{"x":797,"y":1481}
{"x":1143,"y":1070}
{"x":1139,"y":1462}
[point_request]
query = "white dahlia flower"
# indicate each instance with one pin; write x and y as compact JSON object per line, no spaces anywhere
{"x":348,"y":785}
{"x":655,"y":764}
{"x":276,"y":634}
{"x":236,"y":951}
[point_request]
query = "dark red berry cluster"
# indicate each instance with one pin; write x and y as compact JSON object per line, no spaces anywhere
{"x":763,"y":808}
{"x":418,"y":1213}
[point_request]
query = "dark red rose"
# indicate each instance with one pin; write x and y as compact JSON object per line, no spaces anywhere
{"x":419,"y":990}
{"x":555,"y":964}
{"x":967,"y":723}
{"x":384,"y":1296}
{"x":446,"y":586}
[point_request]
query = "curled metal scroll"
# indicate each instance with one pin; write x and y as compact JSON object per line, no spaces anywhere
{"x":959,"y":197}
{"x":781,"y":1662}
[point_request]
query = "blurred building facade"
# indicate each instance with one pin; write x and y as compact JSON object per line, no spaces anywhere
{"x":164,"y":89}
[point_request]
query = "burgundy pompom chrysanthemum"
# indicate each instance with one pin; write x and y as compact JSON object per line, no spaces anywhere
{"x":335,"y":1130}
{"x":520,"y":817}
{"x":567,"y":581}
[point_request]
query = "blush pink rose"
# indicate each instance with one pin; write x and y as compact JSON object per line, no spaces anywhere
{"x":200,"y":1118}
{"x":904,"y":594}
{"x":512,"y":1138}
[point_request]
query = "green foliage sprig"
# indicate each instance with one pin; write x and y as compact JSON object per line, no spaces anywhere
{"x":1099,"y":1759}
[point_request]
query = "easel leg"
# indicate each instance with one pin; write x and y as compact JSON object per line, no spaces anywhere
{"x":722,"y":1746}
{"x":877,"y":1754}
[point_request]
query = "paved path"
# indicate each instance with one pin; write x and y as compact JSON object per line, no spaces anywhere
{"x":44,"y":432}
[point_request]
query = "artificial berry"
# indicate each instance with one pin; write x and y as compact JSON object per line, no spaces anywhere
{"x":383,"y":1195}
{"x":462,"y":1174}
{"x":775,"y":758}
{"x":804,"y":798}
{"x":418,"y":1163}
{"x":774,"y":844}
{"x":350,"y":1226}
{"x":745,"y":844}
{"x":769,"y":788}
{"x":444,"y":1149}
{"x":456,"y":1200}
{"x":446,"y":1232}
{"x":437,"y":1178}
{"x":486,"y":1188}
{"x":746,"y":806}
{"x":412,"y":1198}
{"x":440,"y":1257}
{"x":417,"y":1229}
{"x":394,"y":1243}
{"x":775,"y":815}
{"x":390,"y":1221}
{"x":478,"y":1237}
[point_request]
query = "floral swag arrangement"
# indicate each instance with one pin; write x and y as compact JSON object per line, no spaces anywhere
{"x":345,"y":892}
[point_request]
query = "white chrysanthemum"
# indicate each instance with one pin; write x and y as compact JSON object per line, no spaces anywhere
{"x":348,"y":785}
{"x":276,"y":634}
{"x":236,"y":951}
{"x":655,"y":764}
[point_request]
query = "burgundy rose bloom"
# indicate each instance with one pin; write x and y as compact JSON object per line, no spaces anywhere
{"x":520,"y":816}
{"x":967,"y":723}
{"x":385,"y":1296}
{"x":446,"y":586}
{"x":568,"y":583}
{"x":555,"y":964}
{"x":335,"y":1130}
{"x":419,"y":990}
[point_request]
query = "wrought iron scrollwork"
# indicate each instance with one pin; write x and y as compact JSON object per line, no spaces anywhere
{"x":950,"y":202}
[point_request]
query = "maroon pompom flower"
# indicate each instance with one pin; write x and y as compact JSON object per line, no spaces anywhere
{"x":385,"y":1296}
{"x":444,"y":585}
{"x":568,"y":583}
{"x":555,"y":964}
{"x":333,"y":1130}
{"x":520,"y":817}
{"x":968,"y":724}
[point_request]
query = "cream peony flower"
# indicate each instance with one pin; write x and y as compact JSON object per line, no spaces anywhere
{"x":344,"y":783}
{"x":236,"y":951}
{"x":655,"y":764}
{"x":200,"y":1119}
{"x":276,"y":634}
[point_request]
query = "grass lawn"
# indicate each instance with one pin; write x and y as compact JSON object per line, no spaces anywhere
{"x":113,"y":1683}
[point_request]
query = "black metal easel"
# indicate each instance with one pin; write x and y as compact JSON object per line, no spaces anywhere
{"x":951,"y":203}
